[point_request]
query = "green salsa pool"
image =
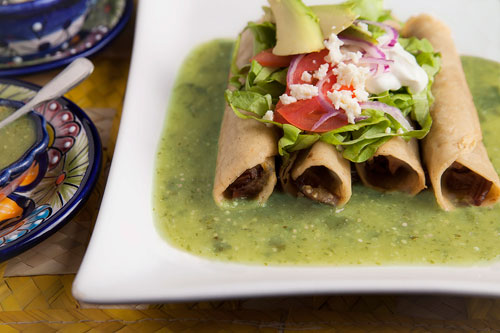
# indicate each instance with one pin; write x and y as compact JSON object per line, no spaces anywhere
{"x":372,"y":229}
{"x":15,"y":138}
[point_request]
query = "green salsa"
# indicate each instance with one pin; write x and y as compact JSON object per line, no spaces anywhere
{"x":372,"y":229}
{"x":15,"y":138}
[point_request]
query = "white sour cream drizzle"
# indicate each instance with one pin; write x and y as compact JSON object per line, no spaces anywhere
{"x":405,"y":71}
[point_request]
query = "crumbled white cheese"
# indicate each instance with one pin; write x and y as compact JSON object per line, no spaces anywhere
{"x":333,"y":44}
{"x":306,"y":76}
{"x":336,"y":86}
{"x":303,"y":91}
{"x":321,"y":72}
{"x":286,"y":99}
{"x":352,"y":56}
{"x":361,"y":95}
{"x":269,"y":115}
{"x":342,"y":99}
{"x":400,"y":131}
{"x":351,"y":75}
{"x":388,"y":130}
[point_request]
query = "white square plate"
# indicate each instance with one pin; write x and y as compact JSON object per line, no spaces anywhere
{"x":127,"y":261}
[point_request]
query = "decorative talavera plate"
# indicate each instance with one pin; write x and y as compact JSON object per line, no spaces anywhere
{"x":62,"y":179}
{"x":103,"y":23}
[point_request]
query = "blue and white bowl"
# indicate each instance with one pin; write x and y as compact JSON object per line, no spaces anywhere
{"x":39,"y":26}
{"x":12,"y":175}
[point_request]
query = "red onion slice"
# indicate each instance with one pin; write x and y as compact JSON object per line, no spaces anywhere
{"x":360,"y":118}
{"x":331,"y":111}
{"x":377,"y":61}
{"x":393,"y":33}
{"x":369,"y":48}
{"x":391,"y":110}
{"x":293,"y":68}
{"x":377,"y":65}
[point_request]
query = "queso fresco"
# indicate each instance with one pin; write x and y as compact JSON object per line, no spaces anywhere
{"x":373,"y":229}
{"x":16,"y":138}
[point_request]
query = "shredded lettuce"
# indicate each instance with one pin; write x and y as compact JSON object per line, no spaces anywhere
{"x":266,"y":80}
{"x":257,"y":90}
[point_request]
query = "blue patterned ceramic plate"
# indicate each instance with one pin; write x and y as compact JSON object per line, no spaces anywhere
{"x":63,"y":178}
{"x":102,"y":24}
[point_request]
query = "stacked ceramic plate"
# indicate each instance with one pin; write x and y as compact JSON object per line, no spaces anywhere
{"x":37,"y":35}
{"x":49,"y":179}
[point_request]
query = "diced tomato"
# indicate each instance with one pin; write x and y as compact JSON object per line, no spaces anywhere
{"x":267,"y":59}
{"x":330,"y":81}
{"x":310,"y":63}
{"x":304,"y":114}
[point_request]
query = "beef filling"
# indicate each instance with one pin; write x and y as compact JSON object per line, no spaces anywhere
{"x":468,"y":187}
{"x":316,"y":183}
{"x":386,"y":173}
{"x":248,"y":185}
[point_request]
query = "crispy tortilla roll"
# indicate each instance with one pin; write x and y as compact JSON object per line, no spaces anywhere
{"x":319,"y":173}
{"x":245,"y":159}
{"x":394,"y":167}
{"x":456,"y":159}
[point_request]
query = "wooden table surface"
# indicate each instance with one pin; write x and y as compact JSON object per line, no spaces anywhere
{"x":35,"y":293}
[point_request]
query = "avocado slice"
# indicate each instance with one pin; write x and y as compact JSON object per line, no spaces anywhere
{"x":334,"y":18}
{"x":340,"y":16}
{"x":355,"y":32}
{"x":297,"y":28}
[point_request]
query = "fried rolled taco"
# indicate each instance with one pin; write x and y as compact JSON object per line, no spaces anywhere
{"x":453,"y":152}
{"x":395,"y":166}
{"x":245,"y":160}
{"x":319,"y":173}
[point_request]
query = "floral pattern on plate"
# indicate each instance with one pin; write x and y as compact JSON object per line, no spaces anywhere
{"x":104,"y":21}
{"x":64,"y":175}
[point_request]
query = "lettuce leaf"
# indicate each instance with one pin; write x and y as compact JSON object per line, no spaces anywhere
{"x":292,"y":140}
{"x":363,"y":138}
{"x":266,"y":80}
{"x":249,"y":101}
{"x":264,"y":36}
{"x":372,"y":10}
{"x":364,"y":150}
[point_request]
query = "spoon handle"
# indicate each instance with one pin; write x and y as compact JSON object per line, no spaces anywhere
{"x":69,"y":78}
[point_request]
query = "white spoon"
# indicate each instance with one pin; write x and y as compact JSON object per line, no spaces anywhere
{"x":69,"y":78}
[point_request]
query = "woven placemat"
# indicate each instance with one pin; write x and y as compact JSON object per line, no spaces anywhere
{"x":45,"y":304}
